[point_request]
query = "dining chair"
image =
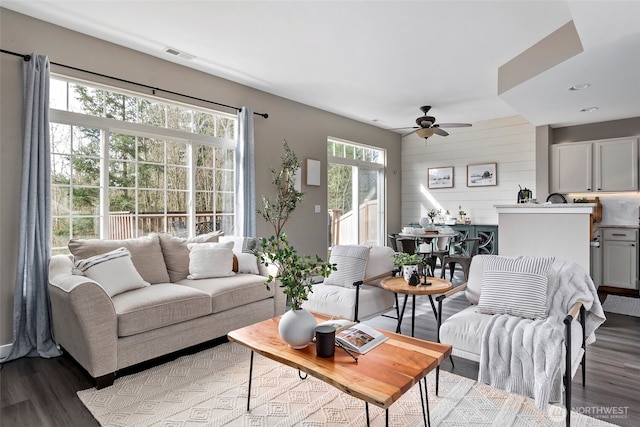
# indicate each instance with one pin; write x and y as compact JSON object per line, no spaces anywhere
{"x":392,"y":238}
{"x":469,"y":248}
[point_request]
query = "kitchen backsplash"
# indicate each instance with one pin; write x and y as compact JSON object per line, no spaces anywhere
{"x":617,"y":208}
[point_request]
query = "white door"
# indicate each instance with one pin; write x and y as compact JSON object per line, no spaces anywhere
{"x":619,"y":263}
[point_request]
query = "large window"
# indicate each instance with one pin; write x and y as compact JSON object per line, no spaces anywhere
{"x":355,"y":193}
{"x":125,"y":165}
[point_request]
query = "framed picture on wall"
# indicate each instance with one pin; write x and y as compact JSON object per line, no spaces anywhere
{"x":441,"y":177}
{"x":481,"y":175}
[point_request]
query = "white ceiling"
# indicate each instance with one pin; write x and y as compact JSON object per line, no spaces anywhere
{"x":382,"y":60}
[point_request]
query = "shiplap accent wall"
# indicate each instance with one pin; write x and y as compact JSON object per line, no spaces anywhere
{"x":509,"y":142}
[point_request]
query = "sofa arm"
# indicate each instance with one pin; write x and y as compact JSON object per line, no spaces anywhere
{"x":84,"y":319}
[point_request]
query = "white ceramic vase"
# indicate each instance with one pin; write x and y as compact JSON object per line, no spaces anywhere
{"x":297,"y":328}
{"x":408,"y":270}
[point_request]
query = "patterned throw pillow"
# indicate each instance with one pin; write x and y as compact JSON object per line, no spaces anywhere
{"x":515,"y":286}
{"x":114,"y":271}
{"x":351,"y":262}
{"x":207,"y":260}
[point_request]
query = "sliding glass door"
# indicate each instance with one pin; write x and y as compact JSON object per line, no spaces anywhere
{"x":355,"y":194}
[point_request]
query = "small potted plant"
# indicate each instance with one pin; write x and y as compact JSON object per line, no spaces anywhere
{"x":408,"y":262}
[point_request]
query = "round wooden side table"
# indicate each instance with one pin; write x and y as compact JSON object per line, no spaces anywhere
{"x":398,"y":285}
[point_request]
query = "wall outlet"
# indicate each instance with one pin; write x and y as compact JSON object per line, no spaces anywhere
{"x":317,"y":208}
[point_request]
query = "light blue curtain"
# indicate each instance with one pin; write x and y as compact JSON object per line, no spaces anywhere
{"x":31,"y":307}
{"x":245,"y":216}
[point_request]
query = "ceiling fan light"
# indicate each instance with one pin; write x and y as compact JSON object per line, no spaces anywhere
{"x":425,"y":132}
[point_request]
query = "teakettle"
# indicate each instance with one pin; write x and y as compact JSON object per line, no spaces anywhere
{"x":524,"y":195}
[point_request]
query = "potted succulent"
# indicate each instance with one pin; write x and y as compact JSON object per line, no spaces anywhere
{"x":294,"y":271}
{"x":408,"y":262}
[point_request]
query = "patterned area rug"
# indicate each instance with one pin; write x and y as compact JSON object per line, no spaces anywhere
{"x":210,"y":389}
{"x":622,"y":305}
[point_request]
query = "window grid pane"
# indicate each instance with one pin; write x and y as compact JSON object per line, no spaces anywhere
{"x":148,"y":177}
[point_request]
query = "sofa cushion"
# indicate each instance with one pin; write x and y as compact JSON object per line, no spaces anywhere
{"x":464,"y":330}
{"x":208,"y":260}
{"x":158,"y":306}
{"x":176,"y":253}
{"x":515,"y":286}
{"x":350,"y":261}
{"x":341,"y":301}
{"x":233,"y":291}
{"x":146,"y":254}
{"x":101,"y":269}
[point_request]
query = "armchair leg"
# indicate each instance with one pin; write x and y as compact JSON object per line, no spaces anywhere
{"x":567,"y":371}
{"x":584,"y":346}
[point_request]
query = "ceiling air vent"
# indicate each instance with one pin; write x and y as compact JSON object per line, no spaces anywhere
{"x":176,"y":52}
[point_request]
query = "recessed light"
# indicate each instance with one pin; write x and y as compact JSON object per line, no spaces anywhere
{"x":589,"y":110}
{"x":580,"y":86}
{"x":377,"y":120}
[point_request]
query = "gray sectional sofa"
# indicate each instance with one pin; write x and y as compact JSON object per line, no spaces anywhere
{"x":105,"y":333}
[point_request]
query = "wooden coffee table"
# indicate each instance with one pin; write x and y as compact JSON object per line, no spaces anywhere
{"x":398,"y":285}
{"x":379,"y":377}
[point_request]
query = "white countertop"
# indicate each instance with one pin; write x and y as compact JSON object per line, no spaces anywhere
{"x":543,"y":208}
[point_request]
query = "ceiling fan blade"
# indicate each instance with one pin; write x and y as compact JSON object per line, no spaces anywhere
{"x":406,"y":127}
{"x":440,"y":132}
{"x":454,"y":125}
{"x":411,"y":133}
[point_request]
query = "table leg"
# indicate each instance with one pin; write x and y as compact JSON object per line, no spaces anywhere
{"x":426,"y":398}
{"x":250,"y":375}
{"x":433,"y":307}
{"x":366,"y":407}
{"x":413,"y":314}
{"x":424,"y":414}
{"x":404,"y":305}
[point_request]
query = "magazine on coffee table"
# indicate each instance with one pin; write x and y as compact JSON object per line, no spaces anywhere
{"x":360,"y":338}
{"x":339,"y":324}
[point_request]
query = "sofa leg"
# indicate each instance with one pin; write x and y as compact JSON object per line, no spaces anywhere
{"x":105,"y":380}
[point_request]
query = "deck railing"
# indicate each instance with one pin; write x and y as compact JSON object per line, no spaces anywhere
{"x":123,"y":225}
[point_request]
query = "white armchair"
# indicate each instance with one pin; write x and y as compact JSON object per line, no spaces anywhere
{"x":568,"y":301}
{"x":358,"y":295}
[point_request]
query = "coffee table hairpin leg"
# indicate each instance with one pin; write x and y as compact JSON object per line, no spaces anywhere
{"x":426,"y":416}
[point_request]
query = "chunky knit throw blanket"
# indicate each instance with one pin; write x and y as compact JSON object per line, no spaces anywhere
{"x":525,"y":356}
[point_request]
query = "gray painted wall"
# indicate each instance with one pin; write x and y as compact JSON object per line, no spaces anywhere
{"x":305,"y":128}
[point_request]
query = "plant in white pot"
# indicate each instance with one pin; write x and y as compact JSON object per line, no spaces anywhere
{"x":408,"y":262}
{"x":294,"y":271}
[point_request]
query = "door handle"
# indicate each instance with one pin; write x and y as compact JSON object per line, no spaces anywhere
{"x":618,"y":234}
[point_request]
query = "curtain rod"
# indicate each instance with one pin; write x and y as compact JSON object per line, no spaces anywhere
{"x":153,"y":89}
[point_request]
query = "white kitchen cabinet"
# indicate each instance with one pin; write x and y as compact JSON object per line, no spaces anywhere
{"x":620,"y":258}
{"x":595,"y":166}
{"x":571,"y":166}
{"x":616,"y":165}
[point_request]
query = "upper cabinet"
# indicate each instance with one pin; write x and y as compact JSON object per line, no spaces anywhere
{"x":607,"y":165}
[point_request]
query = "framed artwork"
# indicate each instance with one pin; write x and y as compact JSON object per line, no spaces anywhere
{"x":481,"y":175}
{"x":313,"y":172}
{"x":441,"y":177}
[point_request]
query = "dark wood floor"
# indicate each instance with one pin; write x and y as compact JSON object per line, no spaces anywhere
{"x":42,"y":392}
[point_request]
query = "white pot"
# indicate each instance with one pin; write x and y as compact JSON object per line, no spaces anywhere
{"x":408,"y":270}
{"x":297,"y":328}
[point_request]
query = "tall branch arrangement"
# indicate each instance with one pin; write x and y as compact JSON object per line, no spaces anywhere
{"x":295,"y":272}
{"x":278,"y":211}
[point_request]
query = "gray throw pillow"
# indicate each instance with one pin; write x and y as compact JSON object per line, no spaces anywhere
{"x":515,"y":286}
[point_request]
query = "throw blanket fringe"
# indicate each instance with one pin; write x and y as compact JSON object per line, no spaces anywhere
{"x":526,"y":356}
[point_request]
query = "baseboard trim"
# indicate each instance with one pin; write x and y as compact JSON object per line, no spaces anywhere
{"x":5,"y":350}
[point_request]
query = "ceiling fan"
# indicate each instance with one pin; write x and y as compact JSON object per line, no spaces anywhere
{"x":427,"y":125}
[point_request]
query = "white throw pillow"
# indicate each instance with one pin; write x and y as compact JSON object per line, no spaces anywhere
{"x":207,"y":260}
{"x":247,"y":263}
{"x":351,"y":263}
{"x":515,"y":286}
{"x":244,"y":248}
{"x":114,"y":271}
